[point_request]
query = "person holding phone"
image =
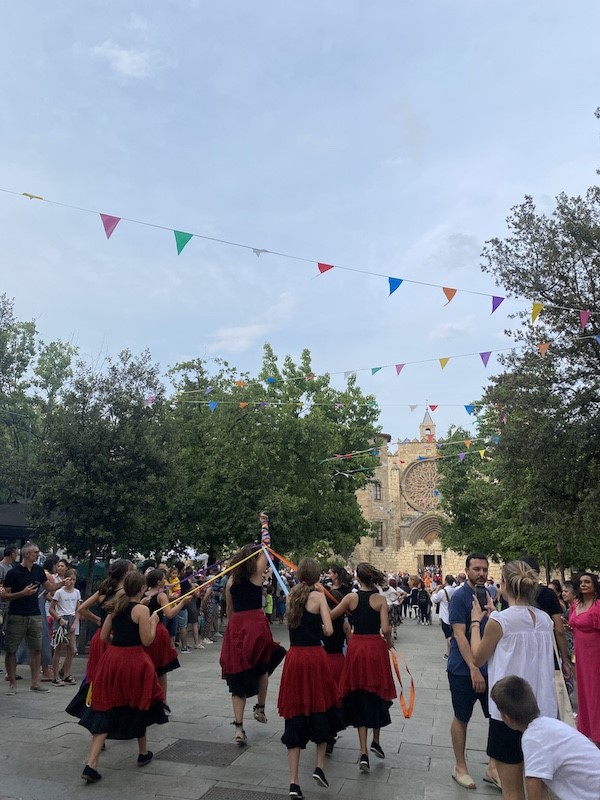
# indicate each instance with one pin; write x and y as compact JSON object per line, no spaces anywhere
{"x":468,"y":681}
{"x":516,"y":641}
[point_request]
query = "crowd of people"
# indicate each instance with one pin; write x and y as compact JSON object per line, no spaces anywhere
{"x":505,"y":644}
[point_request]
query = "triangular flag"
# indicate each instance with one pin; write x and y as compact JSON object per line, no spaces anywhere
{"x":482,"y":453}
{"x":395,"y":283}
{"x":212,"y":405}
{"x":263,"y":404}
{"x":110,"y":223}
{"x":324,"y":267}
{"x":271,"y":380}
{"x":181,"y":239}
{"x":338,"y":406}
{"x":208,"y":390}
{"x":468,"y":443}
{"x":449,"y":293}
{"x":243,"y":405}
{"x":412,"y":408}
{"x":241,"y":384}
{"x":421,"y":458}
{"x":374,"y":370}
{"x":443,"y":362}
{"x":535,"y":311}
{"x":258,"y":250}
{"x":495,"y":439}
{"x":430,"y":437}
{"x":462,"y":456}
{"x":543,"y":348}
{"x":469,"y":409}
{"x":349,"y":375}
{"x":597,"y":338}
{"x":583,"y":318}
{"x":432,"y":408}
{"x":149,"y":401}
{"x":399,"y":368}
{"x":505,"y":419}
{"x":485,"y":357}
{"x":496,"y":302}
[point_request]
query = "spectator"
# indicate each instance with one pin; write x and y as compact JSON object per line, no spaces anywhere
{"x":442,"y":596}
{"x":424,"y":601}
{"x":11,"y":554}
{"x":584,"y":618}
{"x":63,"y":610}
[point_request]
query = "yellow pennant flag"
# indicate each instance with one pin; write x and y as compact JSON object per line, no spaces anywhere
{"x":468,"y":443}
{"x":443,"y":362}
{"x":543,"y":348}
{"x":535,"y":311}
{"x":482,"y":453}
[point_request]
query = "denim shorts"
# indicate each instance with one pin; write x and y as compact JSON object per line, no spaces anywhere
{"x":182,"y":619}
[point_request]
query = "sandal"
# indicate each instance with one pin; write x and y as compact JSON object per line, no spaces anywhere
{"x":259,"y":713}
{"x":240,"y":733}
{"x":69,"y":679}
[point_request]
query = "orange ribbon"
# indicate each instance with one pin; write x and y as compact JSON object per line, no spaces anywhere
{"x":407,"y":710}
{"x":290,"y":565}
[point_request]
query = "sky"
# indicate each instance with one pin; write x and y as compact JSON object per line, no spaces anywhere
{"x":391,"y":137}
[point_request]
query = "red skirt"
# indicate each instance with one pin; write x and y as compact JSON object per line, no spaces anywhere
{"x":367,"y":667}
{"x":307,"y":683}
{"x":162,"y":652}
{"x":248,"y":651}
{"x":125,"y":677}
{"x":97,"y":650}
{"x":335,"y":662}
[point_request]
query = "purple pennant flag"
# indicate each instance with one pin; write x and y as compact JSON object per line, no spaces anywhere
{"x":263,"y":404}
{"x":399,"y":368}
{"x":462,"y":456}
{"x":208,"y":390}
{"x":485,"y":357}
{"x":496,"y":302}
{"x":212,"y":405}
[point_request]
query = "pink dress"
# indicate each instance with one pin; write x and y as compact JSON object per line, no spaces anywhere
{"x":586,"y":637}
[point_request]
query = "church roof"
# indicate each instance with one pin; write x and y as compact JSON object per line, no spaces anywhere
{"x":427,"y":419}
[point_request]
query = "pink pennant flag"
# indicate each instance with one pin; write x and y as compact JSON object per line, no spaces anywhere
{"x":110,"y":223}
{"x":485,"y":357}
{"x":432,"y":408}
{"x":583,"y":318}
{"x":543,"y":348}
{"x":496,"y":302}
{"x":324,"y":267}
{"x":399,"y":368}
{"x":449,"y":293}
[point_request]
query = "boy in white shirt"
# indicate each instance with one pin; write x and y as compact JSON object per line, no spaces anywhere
{"x":63,"y":608}
{"x":556,"y":756}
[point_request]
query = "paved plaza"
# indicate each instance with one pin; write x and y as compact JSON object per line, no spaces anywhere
{"x":42,"y":749}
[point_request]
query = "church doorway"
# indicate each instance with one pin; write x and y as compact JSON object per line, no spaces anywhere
{"x":429,"y":560}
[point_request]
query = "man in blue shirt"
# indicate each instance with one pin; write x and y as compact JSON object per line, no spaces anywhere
{"x":468,"y":683}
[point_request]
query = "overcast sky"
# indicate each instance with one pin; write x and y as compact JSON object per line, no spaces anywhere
{"x":388,"y":136}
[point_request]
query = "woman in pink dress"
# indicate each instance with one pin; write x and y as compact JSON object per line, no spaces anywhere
{"x":584,"y":619}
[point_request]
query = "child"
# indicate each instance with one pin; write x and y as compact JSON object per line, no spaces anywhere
{"x":63,"y":610}
{"x":424,"y":600}
{"x":269,"y":605}
{"x":308,"y":693}
{"x":556,"y":756}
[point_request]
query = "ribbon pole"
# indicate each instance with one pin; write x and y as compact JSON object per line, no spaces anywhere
{"x":284,"y":588}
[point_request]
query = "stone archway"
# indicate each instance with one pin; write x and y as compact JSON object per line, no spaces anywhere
{"x":425,"y":530}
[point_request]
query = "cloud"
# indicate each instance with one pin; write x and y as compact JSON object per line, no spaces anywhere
{"x":238,"y":338}
{"x":451,"y":330}
{"x":137,"y":22}
{"x":138,"y":64}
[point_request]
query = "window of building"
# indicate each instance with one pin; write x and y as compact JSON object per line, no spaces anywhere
{"x":378,"y":530}
{"x":377,"y":489}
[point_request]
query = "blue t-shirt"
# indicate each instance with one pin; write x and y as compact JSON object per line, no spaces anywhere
{"x":491,"y":590}
{"x":461,"y":605}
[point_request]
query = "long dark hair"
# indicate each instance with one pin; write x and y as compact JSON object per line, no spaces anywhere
{"x":132,"y":585}
{"x":243,"y":572}
{"x":370,"y":575}
{"x":594,"y":579}
{"x":307,"y":575}
{"x":117,"y":571}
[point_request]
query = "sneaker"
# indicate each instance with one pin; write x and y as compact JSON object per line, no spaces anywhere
{"x":207,"y":641}
{"x":377,"y":749}
{"x":39,"y":689}
{"x":259,"y":713}
{"x":320,"y":778}
{"x":145,"y":758}
{"x":363,"y":764}
{"x":90,"y":775}
{"x":296,"y":791}
{"x":185,"y":650}
{"x":58,"y":682}
{"x":199,"y":647}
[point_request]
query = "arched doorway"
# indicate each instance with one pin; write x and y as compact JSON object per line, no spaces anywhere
{"x":424,"y":536}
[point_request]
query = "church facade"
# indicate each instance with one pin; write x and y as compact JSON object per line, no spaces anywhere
{"x":401,"y":503}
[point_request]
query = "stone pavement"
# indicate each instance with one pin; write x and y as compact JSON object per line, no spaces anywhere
{"x":42,"y":749}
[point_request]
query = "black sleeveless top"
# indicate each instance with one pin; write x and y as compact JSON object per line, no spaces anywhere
{"x":125,"y":632}
{"x":246,"y":596}
{"x":335,"y":642}
{"x":364,"y":619}
{"x":309,"y":633}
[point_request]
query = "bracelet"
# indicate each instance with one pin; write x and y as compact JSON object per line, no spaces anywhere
{"x":475,"y":623}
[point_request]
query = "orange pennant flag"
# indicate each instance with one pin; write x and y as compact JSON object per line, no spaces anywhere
{"x":535,"y":311}
{"x":241,"y":384}
{"x":243,"y":405}
{"x":468,"y":443}
{"x":443,"y":362}
{"x":543,"y":348}
{"x":448,"y":292}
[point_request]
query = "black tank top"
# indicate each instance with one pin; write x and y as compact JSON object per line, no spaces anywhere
{"x":335,"y":642}
{"x":364,"y":619}
{"x":124,"y":630}
{"x":309,"y":633}
{"x":246,"y":596}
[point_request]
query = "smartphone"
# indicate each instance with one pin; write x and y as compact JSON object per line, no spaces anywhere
{"x":482,"y":596}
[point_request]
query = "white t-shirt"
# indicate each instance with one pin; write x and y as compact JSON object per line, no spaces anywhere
{"x":66,"y":602}
{"x":442,"y":596}
{"x":526,"y":650}
{"x":566,"y":760}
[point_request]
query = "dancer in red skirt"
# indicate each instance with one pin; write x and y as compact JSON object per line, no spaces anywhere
{"x":342,"y":632}
{"x":308,"y":693}
{"x":366,"y":684}
{"x":125,"y":694}
{"x":249,"y":654}
{"x":108,"y":590}
{"x":161,"y":651}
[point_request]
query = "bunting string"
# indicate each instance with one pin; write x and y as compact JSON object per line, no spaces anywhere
{"x":182,"y":238}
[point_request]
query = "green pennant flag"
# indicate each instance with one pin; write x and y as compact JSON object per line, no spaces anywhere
{"x":181,"y":239}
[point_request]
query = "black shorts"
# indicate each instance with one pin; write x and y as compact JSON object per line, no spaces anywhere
{"x":446,"y":628}
{"x":464,"y":697}
{"x":504,"y":744}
